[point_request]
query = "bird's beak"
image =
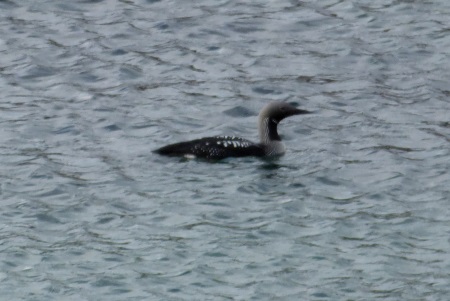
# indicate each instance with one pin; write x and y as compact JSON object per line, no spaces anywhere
{"x":300,"y":111}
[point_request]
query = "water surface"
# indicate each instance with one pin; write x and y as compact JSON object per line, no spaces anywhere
{"x":357,"y":209}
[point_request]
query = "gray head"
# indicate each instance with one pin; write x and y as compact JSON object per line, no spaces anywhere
{"x":278,"y":110}
{"x":271,"y":115}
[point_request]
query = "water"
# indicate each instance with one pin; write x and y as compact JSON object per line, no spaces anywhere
{"x":357,"y":209}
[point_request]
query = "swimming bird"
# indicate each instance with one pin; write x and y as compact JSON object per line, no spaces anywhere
{"x":221,"y":147}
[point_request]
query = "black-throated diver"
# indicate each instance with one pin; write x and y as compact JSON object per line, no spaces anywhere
{"x":220,"y":147}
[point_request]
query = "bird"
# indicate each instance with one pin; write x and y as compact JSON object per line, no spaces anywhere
{"x":220,"y":147}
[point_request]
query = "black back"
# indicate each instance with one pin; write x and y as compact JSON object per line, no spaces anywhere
{"x":214,"y":148}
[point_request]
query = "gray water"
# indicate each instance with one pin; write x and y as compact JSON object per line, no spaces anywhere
{"x":357,"y":209}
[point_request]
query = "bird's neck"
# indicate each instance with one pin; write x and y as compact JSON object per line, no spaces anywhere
{"x":268,"y":130}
